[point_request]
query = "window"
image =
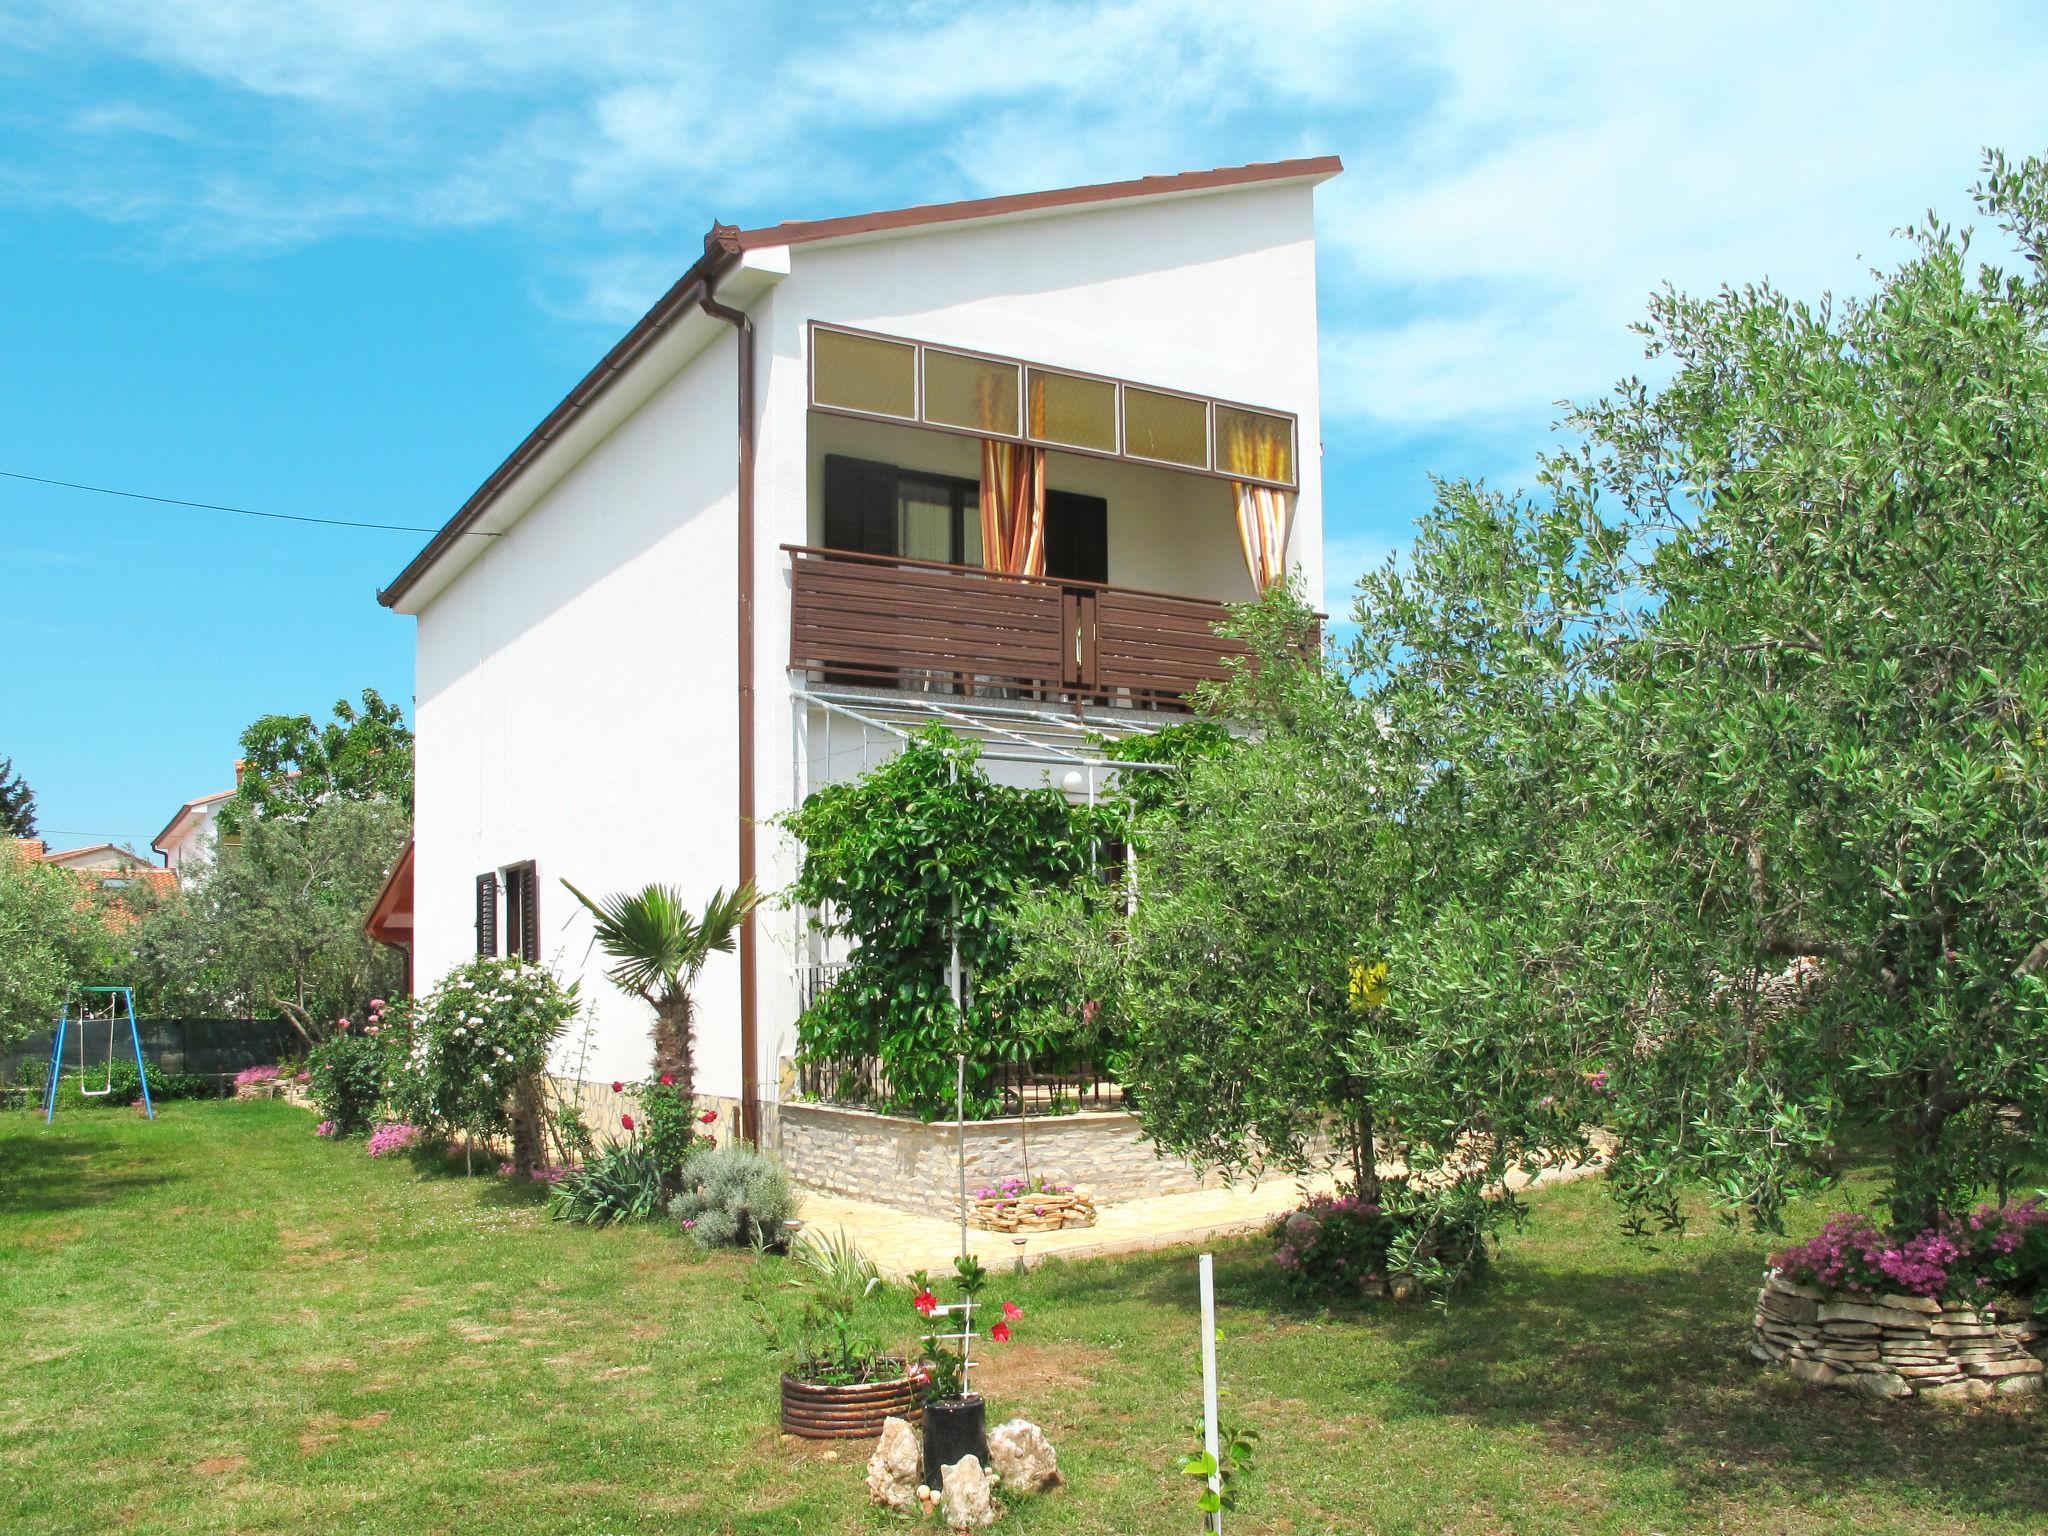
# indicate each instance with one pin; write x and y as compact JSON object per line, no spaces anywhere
{"x":864,"y":373}
{"x":880,"y":509}
{"x":522,"y":912}
{"x":974,"y":393}
{"x":1069,"y":411}
{"x":487,"y":914}
{"x":1171,"y":429}
{"x":1254,"y":444}
{"x":896,"y":379}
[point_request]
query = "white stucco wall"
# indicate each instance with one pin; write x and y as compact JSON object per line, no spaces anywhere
{"x":576,"y":706}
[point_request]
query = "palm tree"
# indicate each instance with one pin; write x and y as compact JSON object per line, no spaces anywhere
{"x":657,"y":947}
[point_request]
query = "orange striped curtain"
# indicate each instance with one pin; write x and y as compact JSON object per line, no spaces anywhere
{"x":1012,"y":508}
{"x":1265,"y":514}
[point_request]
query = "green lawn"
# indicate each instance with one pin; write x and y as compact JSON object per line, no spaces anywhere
{"x":218,"y":1323}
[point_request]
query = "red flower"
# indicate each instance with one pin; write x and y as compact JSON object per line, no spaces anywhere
{"x":1000,"y":1333}
{"x":925,"y":1302}
{"x":709,"y":1116}
{"x":1011,"y":1311}
{"x":668,"y":1079}
{"x":618,"y":1087}
{"x":626,"y":1121}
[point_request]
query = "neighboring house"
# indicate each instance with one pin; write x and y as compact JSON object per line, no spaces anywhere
{"x":998,"y":463}
{"x":186,"y":843}
{"x":102,"y":866}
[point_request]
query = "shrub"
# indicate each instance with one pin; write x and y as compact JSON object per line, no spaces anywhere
{"x":735,"y":1195}
{"x":1347,"y":1245}
{"x":477,"y":1041}
{"x":1995,"y":1250}
{"x":622,"y":1183}
{"x":348,"y":1080}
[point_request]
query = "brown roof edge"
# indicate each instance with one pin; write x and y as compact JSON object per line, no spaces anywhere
{"x":721,"y":251}
{"x":799,"y":231}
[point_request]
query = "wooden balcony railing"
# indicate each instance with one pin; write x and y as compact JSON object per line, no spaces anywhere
{"x":885,"y":622}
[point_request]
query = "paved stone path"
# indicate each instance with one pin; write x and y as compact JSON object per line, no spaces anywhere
{"x":900,"y":1242}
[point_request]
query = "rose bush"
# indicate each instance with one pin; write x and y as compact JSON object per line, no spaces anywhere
{"x":470,"y":1056}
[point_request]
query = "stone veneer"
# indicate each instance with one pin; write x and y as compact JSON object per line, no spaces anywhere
{"x":914,"y":1166}
{"x":1899,"y":1346}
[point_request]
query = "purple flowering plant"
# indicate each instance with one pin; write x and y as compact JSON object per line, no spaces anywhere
{"x":249,"y":1077}
{"x":393,"y":1136}
{"x":1994,"y":1250}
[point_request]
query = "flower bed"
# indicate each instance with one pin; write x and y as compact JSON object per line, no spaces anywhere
{"x":1949,"y":1313}
{"x":258,"y":1083}
{"x":1018,"y":1205}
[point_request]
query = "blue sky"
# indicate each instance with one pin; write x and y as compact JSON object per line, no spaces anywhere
{"x":335,"y":258}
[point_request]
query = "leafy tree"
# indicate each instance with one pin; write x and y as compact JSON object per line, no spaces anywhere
{"x":1265,"y":977}
{"x":1796,"y":882}
{"x":895,"y":862}
{"x":658,"y":947}
{"x":275,"y":922}
{"x":17,"y":802}
{"x":291,"y":765}
{"x":53,"y":940}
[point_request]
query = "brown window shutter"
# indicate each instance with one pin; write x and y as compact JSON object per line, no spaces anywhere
{"x":530,"y":915}
{"x":487,"y":914}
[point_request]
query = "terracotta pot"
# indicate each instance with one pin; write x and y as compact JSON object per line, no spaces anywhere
{"x":818,"y":1411}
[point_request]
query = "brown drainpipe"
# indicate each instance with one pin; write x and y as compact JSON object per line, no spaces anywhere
{"x":750,"y":1082}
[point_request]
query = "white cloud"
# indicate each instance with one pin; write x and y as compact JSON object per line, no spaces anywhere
{"x":1519,"y":176}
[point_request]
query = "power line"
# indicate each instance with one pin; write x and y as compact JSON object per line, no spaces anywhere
{"x":214,"y":506}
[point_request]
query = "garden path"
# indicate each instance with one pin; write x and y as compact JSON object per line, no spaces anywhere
{"x":901,"y":1242}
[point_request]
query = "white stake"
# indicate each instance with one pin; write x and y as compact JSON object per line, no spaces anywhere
{"x":1209,"y":1436}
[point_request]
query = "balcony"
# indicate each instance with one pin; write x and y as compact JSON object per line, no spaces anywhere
{"x":885,"y":622}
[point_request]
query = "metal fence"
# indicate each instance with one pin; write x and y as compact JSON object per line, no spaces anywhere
{"x":1057,"y":1085}
{"x":211,"y":1047}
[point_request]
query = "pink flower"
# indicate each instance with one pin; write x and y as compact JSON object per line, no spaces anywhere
{"x":377,"y":1003}
{"x":342,"y":1025}
{"x":1011,"y":1311}
{"x":626,"y":1121}
{"x":925,"y":1302}
{"x":1000,"y":1333}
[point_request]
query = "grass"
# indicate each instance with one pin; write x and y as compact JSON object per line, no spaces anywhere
{"x":217,"y":1323}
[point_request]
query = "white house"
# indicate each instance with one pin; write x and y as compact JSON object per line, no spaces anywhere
{"x":998,"y":462}
{"x":187,"y":839}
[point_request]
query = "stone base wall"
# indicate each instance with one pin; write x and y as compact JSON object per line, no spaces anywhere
{"x":915,"y":1167}
{"x":1899,"y":1346}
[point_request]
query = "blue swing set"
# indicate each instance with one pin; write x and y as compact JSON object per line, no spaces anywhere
{"x":120,"y":1003}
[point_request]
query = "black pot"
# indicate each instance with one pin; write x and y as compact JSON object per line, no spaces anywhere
{"x":954,"y":1427}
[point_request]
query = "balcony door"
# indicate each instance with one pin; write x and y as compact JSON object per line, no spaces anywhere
{"x":883,"y":509}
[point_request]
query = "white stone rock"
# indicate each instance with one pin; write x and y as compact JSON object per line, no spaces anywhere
{"x":893,"y":1469}
{"x":966,"y":1504}
{"x":1023,"y":1458}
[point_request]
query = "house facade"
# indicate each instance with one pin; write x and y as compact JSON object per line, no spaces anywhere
{"x":187,"y":840}
{"x":997,"y":463}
